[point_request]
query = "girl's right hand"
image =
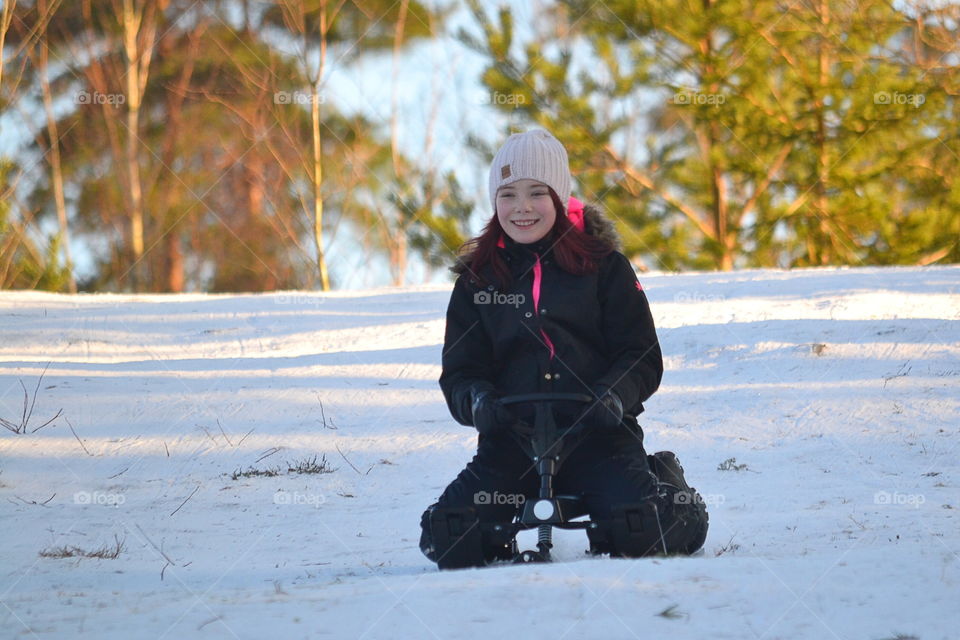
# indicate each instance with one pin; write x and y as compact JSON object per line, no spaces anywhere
{"x":489,"y":414}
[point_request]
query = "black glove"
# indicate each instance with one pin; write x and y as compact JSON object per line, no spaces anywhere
{"x":606,"y":412}
{"x":489,"y":414}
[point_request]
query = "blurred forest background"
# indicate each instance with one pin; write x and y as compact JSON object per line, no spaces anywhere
{"x":203,"y":145}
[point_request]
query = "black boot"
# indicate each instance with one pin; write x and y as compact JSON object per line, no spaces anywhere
{"x":426,"y":539}
{"x":452,"y":537}
{"x":686,"y":508}
{"x":666,"y":467}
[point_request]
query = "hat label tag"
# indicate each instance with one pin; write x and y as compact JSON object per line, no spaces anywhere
{"x":505,"y":172}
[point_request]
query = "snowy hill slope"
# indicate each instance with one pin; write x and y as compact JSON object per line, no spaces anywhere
{"x":837,"y":392}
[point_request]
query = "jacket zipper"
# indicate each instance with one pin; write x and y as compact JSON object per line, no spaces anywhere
{"x":537,"y":276}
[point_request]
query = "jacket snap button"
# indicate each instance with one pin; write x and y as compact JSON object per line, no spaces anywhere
{"x":527,"y":315}
{"x":547,"y":376}
{"x":490,"y":287}
{"x":542,"y":311}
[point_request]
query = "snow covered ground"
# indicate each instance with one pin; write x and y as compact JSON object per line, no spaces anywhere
{"x":837,"y":392}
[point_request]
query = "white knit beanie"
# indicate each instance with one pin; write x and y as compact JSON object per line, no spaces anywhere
{"x":534,"y":155}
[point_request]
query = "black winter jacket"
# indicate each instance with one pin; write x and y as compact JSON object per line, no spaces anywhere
{"x":599,"y":324}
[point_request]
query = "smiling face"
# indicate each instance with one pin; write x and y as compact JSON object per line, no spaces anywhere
{"x":525,"y":210}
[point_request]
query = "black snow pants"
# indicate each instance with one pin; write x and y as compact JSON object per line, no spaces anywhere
{"x":611,"y":473}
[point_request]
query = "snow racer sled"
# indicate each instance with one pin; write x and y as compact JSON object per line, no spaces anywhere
{"x":674,"y":521}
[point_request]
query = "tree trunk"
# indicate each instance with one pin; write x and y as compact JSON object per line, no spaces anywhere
{"x":174,"y":277}
{"x":317,"y":158}
{"x":55,"y":165}
{"x":138,"y":61}
{"x":5,"y":19}
{"x":174,"y":259}
{"x":398,"y":252}
{"x":719,"y":213}
{"x":317,"y":197}
{"x":398,"y":259}
{"x":822,"y":251}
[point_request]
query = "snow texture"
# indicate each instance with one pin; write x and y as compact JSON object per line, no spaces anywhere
{"x":835,"y":392}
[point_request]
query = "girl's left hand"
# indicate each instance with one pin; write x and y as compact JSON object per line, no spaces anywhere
{"x":606,"y":412}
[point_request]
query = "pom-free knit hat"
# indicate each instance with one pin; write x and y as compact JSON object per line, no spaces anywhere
{"x":534,"y":155}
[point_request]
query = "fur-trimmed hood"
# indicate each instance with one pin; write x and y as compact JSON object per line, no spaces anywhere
{"x":595,"y":223}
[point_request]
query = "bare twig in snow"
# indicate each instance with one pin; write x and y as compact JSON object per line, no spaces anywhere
{"x":208,"y":433}
{"x":185,"y":501}
{"x":672,"y":613}
{"x":323,"y":417}
{"x":351,"y":464}
{"x":730,"y":546}
{"x":730,"y":464}
{"x":245,"y":436}
{"x":899,"y":374}
{"x":152,"y":544}
{"x":59,"y":413}
{"x":266,"y":454}
{"x":77,"y":437}
{"x":158,"y":550}
{"x":253,"y":473}
{"x":39,"y":504}
{"x":224,"y":433}
{"x":28,"y":404}
{"x":206,"y":622}
{"x":310,"y":466}
{"x":69,"y":551}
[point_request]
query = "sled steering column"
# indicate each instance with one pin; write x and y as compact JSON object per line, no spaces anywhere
{"x":547,"y":447}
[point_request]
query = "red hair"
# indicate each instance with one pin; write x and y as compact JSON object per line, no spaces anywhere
{"x":575,"y":251}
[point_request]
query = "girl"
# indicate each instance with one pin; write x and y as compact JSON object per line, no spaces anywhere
{"x":545,"y":301}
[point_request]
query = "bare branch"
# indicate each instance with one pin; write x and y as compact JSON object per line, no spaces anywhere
{"x":185,"y":501}
{"x":28,"y":405}
{"x":78,"y":438}
{"x":224,"y":433}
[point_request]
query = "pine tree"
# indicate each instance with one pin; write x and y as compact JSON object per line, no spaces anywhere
{"x":772,"y":135}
